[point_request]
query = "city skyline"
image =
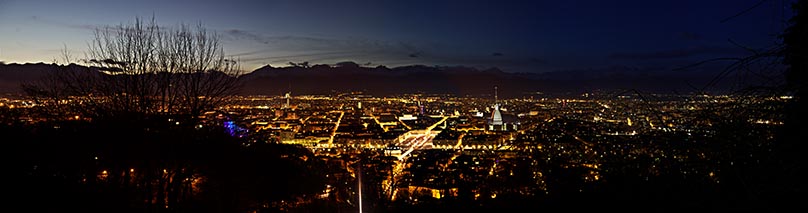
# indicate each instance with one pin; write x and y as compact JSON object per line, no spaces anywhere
{"x":428,"y":151}
{"x":403,"y":106}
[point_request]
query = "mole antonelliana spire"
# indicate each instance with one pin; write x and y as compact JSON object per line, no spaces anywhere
{"x":496,"y":117}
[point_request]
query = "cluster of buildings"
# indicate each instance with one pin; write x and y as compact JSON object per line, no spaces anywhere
{"x":437,"y":145}
{"x":433,"y":146}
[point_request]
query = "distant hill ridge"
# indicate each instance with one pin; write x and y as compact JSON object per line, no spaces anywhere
{"x":458,"y":80}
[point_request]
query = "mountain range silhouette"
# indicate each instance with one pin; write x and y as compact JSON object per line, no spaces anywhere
{"x":457,"y":80}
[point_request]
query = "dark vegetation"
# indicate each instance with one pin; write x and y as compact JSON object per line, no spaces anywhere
{"x":151,"y":166}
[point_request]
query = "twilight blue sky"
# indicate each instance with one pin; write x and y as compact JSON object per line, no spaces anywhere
{"x":516,"y":36}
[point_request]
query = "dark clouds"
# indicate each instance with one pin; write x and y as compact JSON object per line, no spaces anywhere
{"x":523,"y":36}
{"x":274,"y":49}
{"x":234,"y":34}
{"x":689,"y":36}
{"x":65,"y":24}
{"x":680,"y":53}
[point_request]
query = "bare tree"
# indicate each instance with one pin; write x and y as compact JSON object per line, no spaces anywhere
{"x":146,"y":69}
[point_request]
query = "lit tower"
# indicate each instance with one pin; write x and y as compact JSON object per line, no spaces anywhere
{"x":496,"y":116}
{"x":288,"y":96}
{"x":496,"y":99}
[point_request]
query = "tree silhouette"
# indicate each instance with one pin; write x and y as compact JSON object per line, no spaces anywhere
{"x":125,"y":132}
{"x":143,"y":69}
{"x":789,"y":163}
{"x":774,"y":183}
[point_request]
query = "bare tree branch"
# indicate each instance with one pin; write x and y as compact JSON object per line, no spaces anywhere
{"x":149,"y":70}
{"x":744,"y":11}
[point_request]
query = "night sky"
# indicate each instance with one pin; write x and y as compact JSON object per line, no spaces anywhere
{"x":538,"y":36}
